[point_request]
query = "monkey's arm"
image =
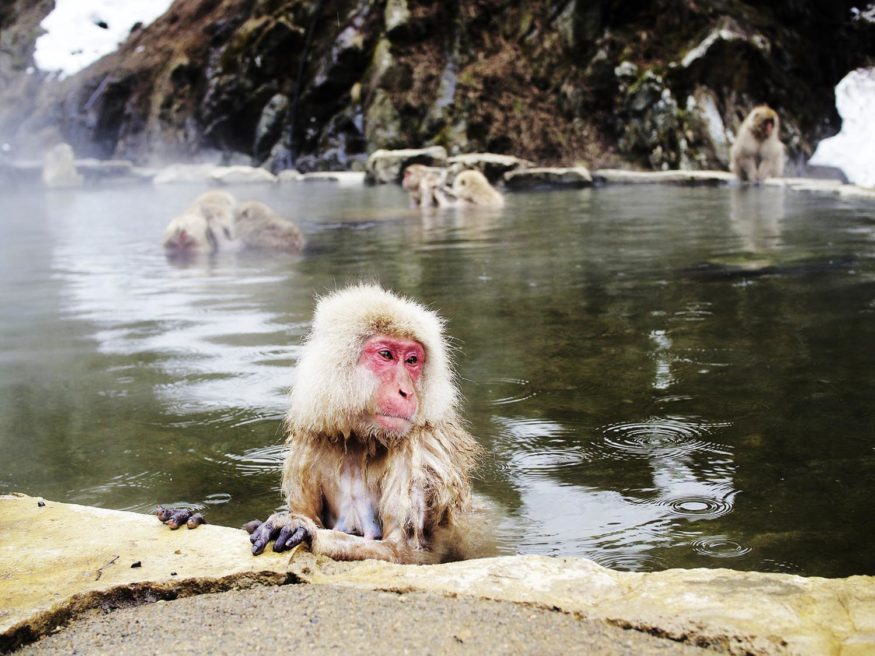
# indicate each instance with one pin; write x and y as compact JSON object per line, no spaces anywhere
{"x":290,"y":530}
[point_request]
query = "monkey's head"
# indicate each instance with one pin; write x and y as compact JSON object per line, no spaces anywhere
{"x":375,"y":365}
{"x":189,"y":234}
{"x":764,"y":121}
{"x":412,"y":176}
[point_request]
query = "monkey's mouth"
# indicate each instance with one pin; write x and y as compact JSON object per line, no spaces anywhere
{"x":393,"y":423}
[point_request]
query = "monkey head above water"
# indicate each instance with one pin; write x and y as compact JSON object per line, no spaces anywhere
{"x":215,"y":222}
{"x":205,"y":227}
{"x":470,"y":189}
{"x":421,"y":181}
{"x":758,"y":153}
{"x":378,"y":460}
{"x":257,"y":226}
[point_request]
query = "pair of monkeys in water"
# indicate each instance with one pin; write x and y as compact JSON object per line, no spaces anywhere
{"x":378,"y":459}
{"x":427,"y":186}
{"x":215,"y":222}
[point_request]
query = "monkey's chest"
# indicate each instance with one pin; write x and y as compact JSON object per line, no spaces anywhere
{"x":353,"y":506}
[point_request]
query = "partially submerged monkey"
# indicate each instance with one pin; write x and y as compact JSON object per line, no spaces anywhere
{"x":378,"y":460}
{"x":758,"y":153}
{"x":205,"y":227}
{"x":216,"y":222}
{"x":470,"y":189}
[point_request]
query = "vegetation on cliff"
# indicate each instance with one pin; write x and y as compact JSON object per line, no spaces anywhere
{"x":319,"y":84}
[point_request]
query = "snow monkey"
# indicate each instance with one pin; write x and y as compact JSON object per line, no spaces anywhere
{"x":257,"y":226}
{"x":421,"y":181}
{"x":205,"y":227}
{"x":470,"y":188}
{"x":216,"y":222}
{"x":757,"y":152}
{"x":378,"y":460}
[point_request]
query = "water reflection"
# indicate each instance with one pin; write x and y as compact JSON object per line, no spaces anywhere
{"x":690,"y":479}
{"x":632,"y":361}
{"x":756,"y":215}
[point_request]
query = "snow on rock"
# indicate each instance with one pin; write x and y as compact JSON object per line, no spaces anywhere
{"x":853,"y":148}
{"x":79,"y":32}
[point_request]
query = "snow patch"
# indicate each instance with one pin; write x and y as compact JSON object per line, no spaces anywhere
{"x":853,"y":148}
{"x":79,"y":32}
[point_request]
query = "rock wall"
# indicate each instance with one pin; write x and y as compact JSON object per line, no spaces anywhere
{"x":317,"y":85}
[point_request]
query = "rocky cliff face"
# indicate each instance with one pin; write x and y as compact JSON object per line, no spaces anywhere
{"x":319,"y":84}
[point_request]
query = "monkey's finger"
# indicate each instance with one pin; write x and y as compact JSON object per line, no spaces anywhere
{"x":163,"y":514}
{"x":260,"y":537}
{"x":195,"y":520}
{"x":282,"y":538}
{"x":250,"y":527}
{"x":178,"y":518}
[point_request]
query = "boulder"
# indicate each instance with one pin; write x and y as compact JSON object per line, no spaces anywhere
{"x":289,"y":175}
{"x":184,"y":174}
{"x":59,"y":168}
{"x":491,"y":165}
{"x":686,"y":178}
{"x":388,"y":165}
{"x":346,"y":178}
{"x":239,"y":175}
{"x":548,"y":178}
{"x":61,"y":560}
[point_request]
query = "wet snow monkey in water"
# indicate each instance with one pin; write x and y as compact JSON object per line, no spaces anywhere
{"x":757,"y":153}
{"x":378,"y":460}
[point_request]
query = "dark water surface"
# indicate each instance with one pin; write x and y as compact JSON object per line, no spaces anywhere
{"x":662,"y":377}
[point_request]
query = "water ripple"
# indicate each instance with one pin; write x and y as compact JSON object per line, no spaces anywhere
{"x":658,"y":436}
{"x":514,"y":390}
{"x":719,"y":547}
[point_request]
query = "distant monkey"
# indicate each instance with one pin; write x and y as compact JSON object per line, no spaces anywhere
{"x":378,"y":460}
{"x":257,"y":226}
{"x":216,"y":222}
{"x":205,"y":227}
{"x":470,"y":188}
{"x":757,"y":153}
{"x":421,"y":181}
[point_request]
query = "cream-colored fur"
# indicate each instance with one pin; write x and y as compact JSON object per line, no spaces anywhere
{"x":418,"y":480}
{"x":756,"y":155}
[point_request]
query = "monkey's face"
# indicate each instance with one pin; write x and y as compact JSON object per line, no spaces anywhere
{"x":187,"y":235}
{"x":412,"y":176}
{"x":764,"y":122}
{"x":395,"y":365}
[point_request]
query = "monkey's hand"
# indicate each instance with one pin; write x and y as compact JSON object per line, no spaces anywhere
{"x":176,"y":517}
{"x":287,"y":530}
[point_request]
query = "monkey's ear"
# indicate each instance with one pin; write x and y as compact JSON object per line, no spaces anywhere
{"x":211,"y":239}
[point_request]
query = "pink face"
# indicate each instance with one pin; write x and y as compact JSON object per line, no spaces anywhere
{"x":397,"y":364}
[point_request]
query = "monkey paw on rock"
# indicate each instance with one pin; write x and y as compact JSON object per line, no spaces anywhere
{"x":176,"y":517}
{"x":287,"y":531}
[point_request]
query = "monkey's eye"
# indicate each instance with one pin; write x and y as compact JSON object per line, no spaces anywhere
{"x":386,"y":354}
{"x":412,"y":360}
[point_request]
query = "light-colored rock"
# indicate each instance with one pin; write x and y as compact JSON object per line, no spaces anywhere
{"x":492,"y":165}
{"x":63,"y":558}
{"x":385,"y":166}
{"x":184,"y":174}
{"x":289,"y":175}
{"x":240,"y":175}
{"x":59,"y":168}
{"x":547,"y":177}
{"x":59,"y":560}
{"x":345,"y":178}
{"x":853,"y":191}
{"x":691,"y":178}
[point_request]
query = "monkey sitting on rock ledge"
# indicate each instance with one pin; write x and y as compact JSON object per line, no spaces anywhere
{"x":758,"y":153}
{"x":378,"y":460}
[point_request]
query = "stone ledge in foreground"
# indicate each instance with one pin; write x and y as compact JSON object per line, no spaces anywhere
{"x":59,"y":560}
